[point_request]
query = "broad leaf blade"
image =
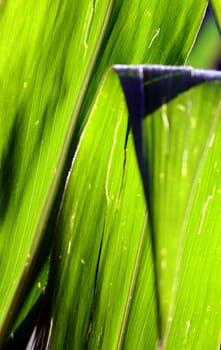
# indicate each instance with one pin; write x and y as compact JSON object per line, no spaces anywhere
{"x":42,"y":88}
{"x":198,"y":275}
{"x":176,"y":148}
{"x":107,"y":193}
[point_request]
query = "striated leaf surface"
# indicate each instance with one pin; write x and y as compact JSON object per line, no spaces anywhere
{"x":101,"y":233}
{"x":55,"y":54}
{"x":177,"y":146}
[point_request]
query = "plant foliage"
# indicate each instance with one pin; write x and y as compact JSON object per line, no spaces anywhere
{"x":82,"y":255}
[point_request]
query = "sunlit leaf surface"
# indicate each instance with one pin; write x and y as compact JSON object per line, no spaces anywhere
{"x":178,"y":149}
{"x":52,"y":57}
{"x":104,"y":226}
{"x":105,"y":295}
{"x":38,"y":94}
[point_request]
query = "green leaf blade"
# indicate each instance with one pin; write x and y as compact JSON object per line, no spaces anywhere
{"x":43,"y":122}
{"x":115,"y":233}
{"x":173,"y":146}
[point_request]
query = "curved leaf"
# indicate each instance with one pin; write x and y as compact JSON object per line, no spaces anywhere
{"x":112,"y":275}
{"x":100,"y":236}
{"x":177,"y":148}
{"x":42,"y":88}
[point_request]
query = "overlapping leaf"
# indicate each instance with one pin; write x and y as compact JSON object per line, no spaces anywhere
{"x":106,"y":296}
{"x":176,"y":147}
{"x":102,"y":227}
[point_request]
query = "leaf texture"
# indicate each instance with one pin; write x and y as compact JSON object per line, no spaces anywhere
{"x":55,"y":54}
{"x":176,"y":146}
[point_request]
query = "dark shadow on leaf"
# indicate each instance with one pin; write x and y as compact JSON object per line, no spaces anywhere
{"x":146,"y":89}
{"x":8,"y":168}
{"x":21,"y":337}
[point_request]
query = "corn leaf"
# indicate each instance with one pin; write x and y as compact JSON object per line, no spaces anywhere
{"x":178,"y":147}
{"x":55,"y":54}
{"x":102,"y":227}
{"x":142,"y":279}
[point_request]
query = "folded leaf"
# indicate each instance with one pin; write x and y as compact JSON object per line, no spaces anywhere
{"x":176,"y":135}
